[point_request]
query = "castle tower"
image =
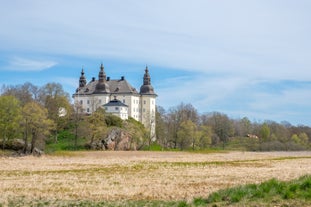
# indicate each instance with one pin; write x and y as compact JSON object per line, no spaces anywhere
{"x":146,"y":88}
{"x":82,"y":80}
{"x":102,"y":86}
{"x":148,"y":104}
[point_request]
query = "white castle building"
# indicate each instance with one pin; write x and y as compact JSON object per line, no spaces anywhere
{"x":118,"y":97}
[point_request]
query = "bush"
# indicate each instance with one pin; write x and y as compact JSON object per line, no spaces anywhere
{"x":280,"y":146}
{"x":112,"y":120}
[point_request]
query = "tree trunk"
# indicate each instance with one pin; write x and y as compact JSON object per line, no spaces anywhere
{"x":76,"y":137}
{"x":4,"y":139}
{"x":56,"y":137}
{"x":25,"y":139}
{"x":33,"y":141}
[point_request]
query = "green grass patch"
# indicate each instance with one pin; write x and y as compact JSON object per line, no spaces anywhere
{"x":266,"y":192}
{"x":65,"y":142}
{"x":153,"y":147}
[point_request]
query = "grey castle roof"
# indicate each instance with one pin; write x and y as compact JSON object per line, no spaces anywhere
{"x":106,"y":86}
{"x":115,"y":102}
{"x":120,"y":86}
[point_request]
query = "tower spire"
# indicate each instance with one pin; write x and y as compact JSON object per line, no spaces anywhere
{"x":102,"y":86}
{"x":82,"y":80}
{"x":147,"y":79}
{"x":101,"y":74}
{"x":146,"y":88}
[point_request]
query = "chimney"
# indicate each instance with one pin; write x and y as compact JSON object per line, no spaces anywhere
{"x":122,"y":77}
{"x":93,"y":79}
{"x":108,"y":78}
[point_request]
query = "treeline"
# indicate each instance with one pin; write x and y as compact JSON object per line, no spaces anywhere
{"x":30,"y":114}
{"x":182,"y":127}
{"x":33,"y":117}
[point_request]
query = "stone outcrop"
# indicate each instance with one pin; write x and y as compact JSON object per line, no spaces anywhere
{"x":13,"y":144}
{"x":115,"y":139}
{"x":118,"y":139}
{"x":17,"y":146}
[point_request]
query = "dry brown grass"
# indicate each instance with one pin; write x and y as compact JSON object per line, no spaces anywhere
{"x":142,"y":175}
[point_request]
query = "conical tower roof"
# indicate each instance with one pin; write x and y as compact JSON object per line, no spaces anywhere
{"x":102,"y":86}
{"x":146,"y":88}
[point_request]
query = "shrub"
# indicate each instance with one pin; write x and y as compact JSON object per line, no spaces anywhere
{"x":112,"y":120}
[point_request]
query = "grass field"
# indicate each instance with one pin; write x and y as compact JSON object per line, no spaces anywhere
{"x":144,"y":176}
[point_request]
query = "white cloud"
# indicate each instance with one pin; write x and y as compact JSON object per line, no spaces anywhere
{"x":25,"y":64}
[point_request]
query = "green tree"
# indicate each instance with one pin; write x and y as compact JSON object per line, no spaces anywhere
{"x":264,"y":132}
{"x":176,"y":116}
{"x":295,"y":138}
{"x":243,"y":127}
{"x":205,"y":136}
{"x":280,"y":132}
{"x":51,"y":90}
{"x":222,"y":127}
{"x":10,"y":115}
{"x":138,"y":133}
{"x":25,"y":93}
{"x":187,"y":134}
{"x":37,"y":125}
{"x":57,"y":102}
{"x":161,"y":130}
{"x":97,"y":125}
{"x":303,"y":137}
{"x":78,"y":123}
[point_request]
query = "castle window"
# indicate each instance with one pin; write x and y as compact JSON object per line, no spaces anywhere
{"x":123,"y":100}
{"x":144,"y":102}
{"x":88,"y":101}
{"x":117,"y":108}
{"x":81,"y":102}
{"x":100,"y":101}
{"x":87,"y":110}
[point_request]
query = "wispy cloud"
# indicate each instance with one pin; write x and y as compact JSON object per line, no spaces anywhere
{"x":67,"y":81}
{"x":238,"y":97}
{"x":26,"y":64}
{"x":204,"y":36}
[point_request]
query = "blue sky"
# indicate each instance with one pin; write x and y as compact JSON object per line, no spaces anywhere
{"x":239,"y":57}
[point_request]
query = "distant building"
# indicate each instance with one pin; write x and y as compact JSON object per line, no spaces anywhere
{"x":117,"y":108}
{"x":106,"y":92}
